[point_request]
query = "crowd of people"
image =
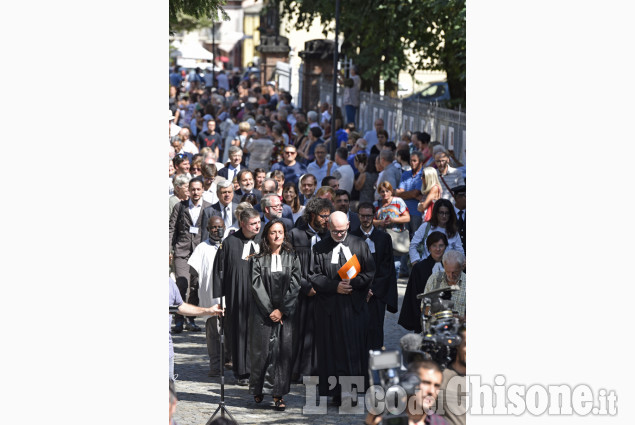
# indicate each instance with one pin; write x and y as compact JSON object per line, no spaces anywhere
{"x":261,"y":215}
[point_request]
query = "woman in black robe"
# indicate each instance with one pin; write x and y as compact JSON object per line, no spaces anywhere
{"x":410,"y":314}
{"x":275,"y":285}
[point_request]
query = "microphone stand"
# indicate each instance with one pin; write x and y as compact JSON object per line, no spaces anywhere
{"x":221,"y":406}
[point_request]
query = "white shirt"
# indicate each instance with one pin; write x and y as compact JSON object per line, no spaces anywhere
{"x":232,"y":172}
{"x":346,"y":176}
{"x":226,"y":214}
{"x":320,"y":172}
{"x":202,"y":260}
{"x":210,"y":194}
{"x":453,"y":178}
{"x":195,"y":210}
{"x":190,"y":147}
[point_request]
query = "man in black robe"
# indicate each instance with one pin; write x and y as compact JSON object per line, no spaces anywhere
{"x":312,"y":230}
{"x":382,"y":294}
{"x":340,"y":307}
{"x":232,"y":268}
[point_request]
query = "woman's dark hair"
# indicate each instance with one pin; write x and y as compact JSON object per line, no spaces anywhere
{"x":251,"y":198}
{"x":450,"y":227}
{"x":370,"y":165}
{"x":264,"y":243}
{"x":295,"y":204}
{"x":435,"y":237}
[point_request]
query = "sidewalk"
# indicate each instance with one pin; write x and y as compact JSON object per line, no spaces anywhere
{"x":199,"y":395}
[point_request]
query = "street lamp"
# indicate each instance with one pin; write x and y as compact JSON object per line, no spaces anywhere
{"x":335,"y":60}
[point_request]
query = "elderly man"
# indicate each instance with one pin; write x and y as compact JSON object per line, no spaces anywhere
{"x":180,"y":190}
{"x":270,"y":185}
{"x":451,"y":278}
{"x":382,"y":294}
{"x":232,"y":269}
{"x":184,"y":235}
{"x":341,"y":309}
{"x":271,"y":209}
{"x":235,"y":158}
{"x":247,"y":185}
{"x":321,"y":168}
{"x":448,"y":176}
{"x":225,"y":208}
{"x":289,"y":166}
{"x":312,"y":229}
{"x":371,"y":135}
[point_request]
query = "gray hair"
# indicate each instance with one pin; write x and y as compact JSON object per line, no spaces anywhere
{"x":439,"y":149}
{"x":312,"y":116}
{"x":265,"y":201}
{"x":248,"y":214}
{"x":453,"y":256}
{"x":222,"y":185}
{"x":181,"y":179}
{"x":235,"y":149}
{"x":387,"y":155}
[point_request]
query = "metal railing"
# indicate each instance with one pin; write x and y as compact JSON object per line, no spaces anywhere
{"x":444,"y":125}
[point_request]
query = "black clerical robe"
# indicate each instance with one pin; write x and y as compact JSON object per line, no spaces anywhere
{"x":341,"y":337}
{"x":410,"y":315}
{"x":271,"y":342}
{"x":234,"y":274}
{"x":304,"y":355}
{"x":384,"y":285}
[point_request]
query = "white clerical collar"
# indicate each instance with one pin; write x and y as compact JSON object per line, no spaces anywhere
{"x":370,"y":232}
{"x":246,"y":249}
{"x":276,"y":263}
{"x":335,"y":258}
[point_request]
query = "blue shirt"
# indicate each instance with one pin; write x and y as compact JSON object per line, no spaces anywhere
{"x":410,"y":182}
{"x":291,"y":172}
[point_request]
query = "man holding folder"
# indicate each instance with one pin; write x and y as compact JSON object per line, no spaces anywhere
{"x":343,"y":270}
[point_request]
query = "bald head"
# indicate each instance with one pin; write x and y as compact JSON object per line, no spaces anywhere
{"x":338,"y":226}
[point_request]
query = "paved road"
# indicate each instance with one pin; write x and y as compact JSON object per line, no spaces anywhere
{"x":199,"y":395}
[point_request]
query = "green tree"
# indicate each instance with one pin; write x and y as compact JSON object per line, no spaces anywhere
{"x":377,"y":34}
{"x":187,"y":15}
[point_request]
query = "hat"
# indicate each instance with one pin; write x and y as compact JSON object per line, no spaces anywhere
{"x":171,"y":115}
{"x":458,"y":189}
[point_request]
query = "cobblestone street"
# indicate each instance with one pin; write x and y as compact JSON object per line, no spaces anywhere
{"x":199,"y":395}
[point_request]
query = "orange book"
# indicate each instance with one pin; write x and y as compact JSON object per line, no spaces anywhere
{"x":350,"y":269}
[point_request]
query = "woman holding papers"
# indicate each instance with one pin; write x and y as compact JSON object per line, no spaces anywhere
{"x":275,"y":285}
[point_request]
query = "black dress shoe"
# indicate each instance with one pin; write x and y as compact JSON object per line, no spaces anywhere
{"x":177,"y":329}
{"x":243,"y":382}
{"x":192,"y":327}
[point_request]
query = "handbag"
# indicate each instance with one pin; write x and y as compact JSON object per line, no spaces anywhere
{"x":428,"y":215}
{"x":400,"y":241}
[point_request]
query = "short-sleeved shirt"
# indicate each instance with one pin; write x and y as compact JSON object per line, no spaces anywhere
{"x":175,"y":299}
{"x":396,"y":208}
{"x":410,"y":182}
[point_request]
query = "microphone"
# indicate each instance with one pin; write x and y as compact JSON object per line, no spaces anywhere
{"x":411,"y":348}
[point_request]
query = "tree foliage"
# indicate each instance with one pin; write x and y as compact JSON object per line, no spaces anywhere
{"x":187,"y":15}
{"x":378,"y":34}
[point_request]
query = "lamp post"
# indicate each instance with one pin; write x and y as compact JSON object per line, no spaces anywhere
{"x":335,"y":60}
{"x":213,"y":54}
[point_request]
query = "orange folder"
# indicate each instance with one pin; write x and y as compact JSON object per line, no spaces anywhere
{"x":350,"y":269}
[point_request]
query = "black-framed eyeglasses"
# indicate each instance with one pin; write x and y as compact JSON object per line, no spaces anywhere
{"x":444,"y":213}
{"x":324,"y":216}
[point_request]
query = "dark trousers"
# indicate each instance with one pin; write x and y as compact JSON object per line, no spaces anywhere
{"x":188,"y":286}
{"x":377,"y":309}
